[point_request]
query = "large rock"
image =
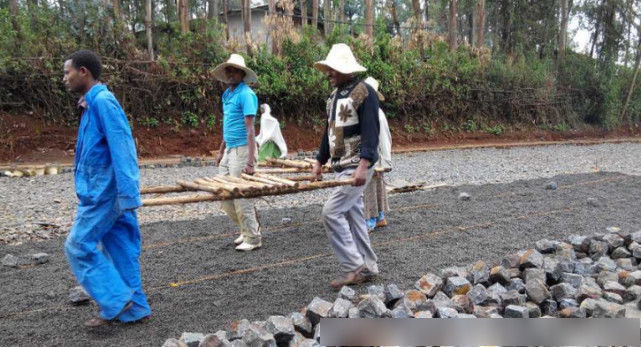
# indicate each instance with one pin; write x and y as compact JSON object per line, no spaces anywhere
{"x":39,"y":258}
{"x":537,"y":291}
{"x":485,"y":311}
{"x":630,"y":278}
{"x":579,"y":242}
{"x":377,"y":290}
{"x":392,"y":294}
{"x":589,"y":291}
{"x":78,"y":295}
{"x":462,"y":303}
{"x":192,"y":339}
{"x":424,"y":314}
{"x":318,"y":309}
{"x":515,"y":311}
{"x":477,"y":295}
{"x":572,"y":279}
{"x":572,"y":312}
{"x":512,"y":297}
{"x":546,"y":246}
{"x":632,"y":293}
{"x":604,"y":264}
{"x":612,"y":297}
{"x":598,"y":249}
{"x":347,"y":293}
{"x":628,"y":264}
{"x":511,"y":261}
{"x":534,"y":274}
{"x":429,"y":284}
{"x":499,"y":274}
{"x":494,"y":294}
{"x":614,"y":241}
{"x":621,"y":253}
{"x":457,"y":286}
{"x":401,"y":311}
{"x":604,"y":309}
{"x":340,"y":309}
{"x":552,"y":268}
{"x":614,"y":287}
{"x":531,"y":259}
{"x":480,"y":273}
{"x":563,"y":291}
{"x":456,"y":271}
{"x":256,"y":336}
{"x":549,"y":307}
{"x":213,"y":340}
{"x":373,"y":307}
{"x":414,"y":299}
{"x":566,"y":302}
{"x":283,"y":329}
{"x":302,"y":324}
{"x":533,"y":309}
{"x":446,"y":312}
{"x":516,"y":284}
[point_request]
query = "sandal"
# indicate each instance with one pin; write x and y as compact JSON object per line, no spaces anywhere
{"x":98,"y":322}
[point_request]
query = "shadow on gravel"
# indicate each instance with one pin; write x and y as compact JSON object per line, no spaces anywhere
{"x":197,"y":282}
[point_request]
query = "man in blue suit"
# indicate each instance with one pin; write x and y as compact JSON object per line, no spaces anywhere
{"x":106,"y":181}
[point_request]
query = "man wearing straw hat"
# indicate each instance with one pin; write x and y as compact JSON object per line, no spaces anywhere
{"x":351,"y":142}
{"x":237,"y":152}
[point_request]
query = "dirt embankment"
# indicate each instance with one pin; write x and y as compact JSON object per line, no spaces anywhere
{"x":25,"y":139}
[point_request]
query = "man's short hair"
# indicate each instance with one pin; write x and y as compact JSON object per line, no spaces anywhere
{"x":87,"y":59}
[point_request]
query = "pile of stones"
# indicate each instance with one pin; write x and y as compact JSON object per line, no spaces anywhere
{"x":584,"y":276}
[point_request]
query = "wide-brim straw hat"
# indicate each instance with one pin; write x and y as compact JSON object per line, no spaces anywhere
{"x":341,"y":59}
{"x":374,"y":84}
{"x":237,"y":61}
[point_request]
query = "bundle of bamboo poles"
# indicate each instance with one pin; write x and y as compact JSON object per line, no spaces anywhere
{"x":221,"y":187}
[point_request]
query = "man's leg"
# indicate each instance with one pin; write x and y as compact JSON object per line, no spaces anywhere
{"x":123,"y":244}
{"x":245,"y":211}
{"x":358,"y":228}
{"x":337,"y":226}
{"x":228,"y":205}
{"x":93,"y":270}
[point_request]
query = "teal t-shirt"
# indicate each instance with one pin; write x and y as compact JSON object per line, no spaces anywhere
{"x":238,"y":104}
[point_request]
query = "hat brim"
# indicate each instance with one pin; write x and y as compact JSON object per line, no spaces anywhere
{"x":325,"y":65}
{"x":219,"y":73}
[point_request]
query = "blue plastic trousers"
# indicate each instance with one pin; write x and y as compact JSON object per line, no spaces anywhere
{"x":111,"y":277}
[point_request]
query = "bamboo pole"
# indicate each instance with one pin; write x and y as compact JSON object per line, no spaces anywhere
{"x":225,"y":185}
{"x":196,"y":186}
{"x":219,"y":197}
{"x":301,"y":178}
{"x":290,"y":163}
{"x":162,"y":189}
{"x":278,"y":179}
{"x":226,"y":180}
{"x":262,"y":180}
{"x":217,"y":185}
{"x":254,"y":185}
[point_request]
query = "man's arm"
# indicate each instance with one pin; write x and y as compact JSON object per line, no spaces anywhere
{"x":221,"y":152}
{"x":122,"y":150}
{"x":368,"y":120}
{"x":251,"y":144}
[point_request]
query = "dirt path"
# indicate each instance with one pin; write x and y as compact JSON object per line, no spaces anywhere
{"x":197,"y":282}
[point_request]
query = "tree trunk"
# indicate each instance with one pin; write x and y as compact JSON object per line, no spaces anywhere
{"x":303,"y":14}
{"x":369,"y":18}
{"x":184,"y":16}
{"x":212,"y":10}
{"x":116,"y":6}
{"x":479,"y":23}
{"x":225,"y":20}
{"x":597,"y":28}
{"x":634,"y":80}
{"x":564,"y":30}
{"x":453,"y":23}
{"x":397,"y":24}
{"x":340,"y":16}
{"x":427,"y":12}
{"x":272,"y":18}
{"x":148,"y":22}
{"x":506,"y":33}
{"x":13,"y":7}
{"x":327,"y":25}
{"x":315,"y":14}
{"x":247,"y":24}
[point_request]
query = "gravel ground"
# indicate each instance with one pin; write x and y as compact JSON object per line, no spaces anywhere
{"x":213,"y":285}
{"x":43,"y":207}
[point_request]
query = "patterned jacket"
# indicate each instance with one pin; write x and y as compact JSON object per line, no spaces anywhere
{"x":352,"y":127}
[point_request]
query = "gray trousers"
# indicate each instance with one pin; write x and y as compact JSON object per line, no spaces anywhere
{"x":241,"y":211}
{"x":345,"y":224}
